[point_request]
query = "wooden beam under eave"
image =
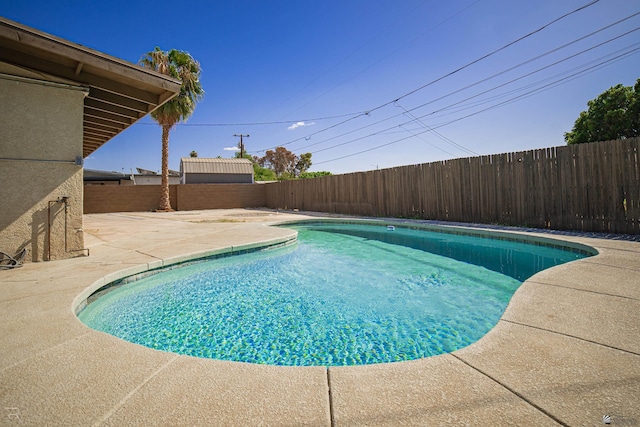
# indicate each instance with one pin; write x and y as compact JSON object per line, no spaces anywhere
{"x":79,"y":68}
{"x":88,"y":150}
{"x":91,"y":120}
{"x":166,"y":96}
{"x":106,"y":129}
{"x":108,"y":116}
{"x":97,"y":139}
{"x":97,"y":133}
{"x":118,"y":100}
{"x":110,"y":108}
{"x":93,"y":145}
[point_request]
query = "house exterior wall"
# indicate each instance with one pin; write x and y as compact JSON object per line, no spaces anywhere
{"x":217,"y":178}
{"x":40,"y":139}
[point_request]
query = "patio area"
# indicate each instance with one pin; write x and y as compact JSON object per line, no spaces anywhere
{"x":566,"y":351}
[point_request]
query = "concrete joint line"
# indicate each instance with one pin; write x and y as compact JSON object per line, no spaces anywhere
{"x":124,"y":400}
{"x":603,"y":246}
{"x":571,"y":336}
{"x":149,"y":255}
{"x":582,"y":290}
{"x":64,"y":343}
{"x":588,"y":261}
{"x":539,"y":408}
{"x":331,"y":415}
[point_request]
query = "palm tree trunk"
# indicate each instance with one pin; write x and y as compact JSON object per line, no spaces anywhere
{"x":165,"y":203}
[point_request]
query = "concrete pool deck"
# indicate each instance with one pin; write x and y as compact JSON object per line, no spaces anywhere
{"x":566,"y":351}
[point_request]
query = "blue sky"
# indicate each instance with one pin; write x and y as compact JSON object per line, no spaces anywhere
{"x":322,"y":77}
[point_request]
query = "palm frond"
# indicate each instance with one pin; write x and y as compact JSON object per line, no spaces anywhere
{"x":183,"y":66}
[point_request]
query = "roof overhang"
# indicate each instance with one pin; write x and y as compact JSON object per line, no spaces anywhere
{"x":209,"y":165}
{"x":120,"y":93}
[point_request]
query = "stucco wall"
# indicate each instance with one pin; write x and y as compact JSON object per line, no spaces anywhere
{"x":40,"y":139}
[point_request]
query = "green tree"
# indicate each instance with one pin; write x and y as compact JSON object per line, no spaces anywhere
{"x":305,"y":175}
{"x":245,"y":155}
{"x":259,"y":173}
{"x":194,"y":153}
{"x":614,"y":114}
{"x":180,"y":65}
{"x":303,"y":163}
{"x":284,"y":163}
{"x":263,"y":174}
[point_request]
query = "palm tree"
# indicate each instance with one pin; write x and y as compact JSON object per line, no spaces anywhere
{"x":180,"y":65}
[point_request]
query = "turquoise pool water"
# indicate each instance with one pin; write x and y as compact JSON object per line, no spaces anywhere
{"x":343,"y":295}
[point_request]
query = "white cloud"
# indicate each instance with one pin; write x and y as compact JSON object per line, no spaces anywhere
{"x":299,"y":125}
{"x":231,"y":149}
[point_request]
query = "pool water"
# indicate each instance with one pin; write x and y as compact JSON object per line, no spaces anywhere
{"x":344,"y":294}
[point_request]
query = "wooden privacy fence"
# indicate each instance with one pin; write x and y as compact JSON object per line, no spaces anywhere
{"x":586,"y":187}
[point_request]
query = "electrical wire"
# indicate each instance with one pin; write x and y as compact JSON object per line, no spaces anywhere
{"x":539,"y":57}
{"x":433,"y":145}
{"x":449,"y":74}
{"x":488,"y":78}
{"x":509,"y":101}
{"x":553,"y":84}
{"x":415,"y":119}
{"x":357,"y":113}
{"x":519,"y":78}
{"x":388,"y":55}
{"x":435,"y":132}
{"x":343,"y":60}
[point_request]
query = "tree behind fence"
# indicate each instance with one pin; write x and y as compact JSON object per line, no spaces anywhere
{"x":586,"y":187}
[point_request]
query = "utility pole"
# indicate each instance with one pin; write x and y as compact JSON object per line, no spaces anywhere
{"x":241,"y":144}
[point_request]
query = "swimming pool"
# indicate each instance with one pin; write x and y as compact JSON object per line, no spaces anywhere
{"x":345,"y":294}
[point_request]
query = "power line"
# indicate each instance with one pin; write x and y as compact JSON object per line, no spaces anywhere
{"x":558,"y":82}
{"x":388,"y":55}
{"x":486,"y":55}
{"x":533,"y":59}
{"x":491,"y":77}
{"x":357,"y":113}
{"x":365,"y":113}
{"x":449,"y":74}
{"x":521,"y":77}
{"x":513,"y":99}
{"x":343,"y":60}
{"x":328,"y":70}
{"x":436,"y":133}
{"x":421,"y":138}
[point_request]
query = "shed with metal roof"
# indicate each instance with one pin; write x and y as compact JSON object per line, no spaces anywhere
{"x":202,"y":170}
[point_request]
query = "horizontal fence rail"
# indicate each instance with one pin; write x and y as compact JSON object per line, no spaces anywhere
{"x":587,"y":187}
